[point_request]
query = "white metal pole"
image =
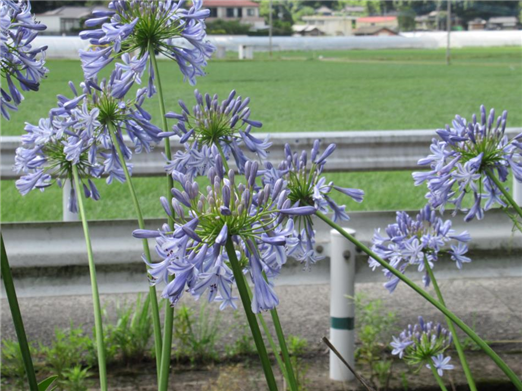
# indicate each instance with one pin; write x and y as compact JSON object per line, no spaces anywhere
{"x":448,"y":27}
{"x":517,"y":191}
{"x":342,"y":308}
{"x":67,"y":215}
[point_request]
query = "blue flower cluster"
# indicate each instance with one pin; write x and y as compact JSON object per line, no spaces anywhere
{"x":255,"y":219}
{"x":463,"y":159}
{"x":78,"y":132}
{"x":424,"y":343}
{"x":416,"y":241}
{"x":21,"y":65}
{"x":307,"y":186}
{"x":161,"y":27}
{"x":213,"y":128}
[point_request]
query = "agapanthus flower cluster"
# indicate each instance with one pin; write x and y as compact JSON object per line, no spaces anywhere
{"x":164,"y":27}
{"x":78,"y":132}
{"x":212,"y":128}
{"x":22,"y":66}
{"x":411,"y":241}
{"x":461,"y":160}
{"x":424,"y":343}
{"x":307,"y":186}
{"x":255,"y":219}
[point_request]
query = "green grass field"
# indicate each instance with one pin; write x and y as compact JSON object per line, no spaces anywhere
{"x":307,"y":91}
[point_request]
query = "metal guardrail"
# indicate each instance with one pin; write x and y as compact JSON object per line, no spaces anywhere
{"x":373,"y":150}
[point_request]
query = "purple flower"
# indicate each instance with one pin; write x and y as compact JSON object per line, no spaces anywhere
{"x":194,"y":250}
{"x":309,"y":192}
{"x":424,"y":343}
{"x":412,"y":241}
{"x":213,"y":128}
{"x":21,"y":65}
{"x":441,"y":364}
{"x":139,"y":26}
{"x":463,"y":158}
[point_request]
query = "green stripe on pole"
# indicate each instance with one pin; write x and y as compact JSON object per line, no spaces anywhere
{"x":341,"y":323}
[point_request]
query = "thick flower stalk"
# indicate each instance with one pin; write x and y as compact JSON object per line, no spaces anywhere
{"x":425,"y":344}
{"x":195,"y":250}
{"x":160,"y":27}
{"x":307,"y":187}
{"x":21,"y":65}
{"x":211,"y":128}
{"x":416,"y":242}
{"x":475,"y":158}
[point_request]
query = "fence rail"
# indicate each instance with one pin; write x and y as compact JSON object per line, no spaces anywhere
{"x":372,"y":150}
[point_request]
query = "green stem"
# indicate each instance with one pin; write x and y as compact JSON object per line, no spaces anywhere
{"x":94,"y":284}
{"x":169,"y":309}
{"x":451,"y":327}
{"x":254,"y":327}
{"x":153,"y":298}
{"x":17,"y":318}
{"x":438,"y":378}
{"x":271,"y":342}
{"x":500,"y":186}
{"x":284,"y":349}
{"x":479,"y":341}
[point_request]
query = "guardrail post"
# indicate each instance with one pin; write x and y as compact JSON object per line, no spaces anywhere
{"x":66,"y":190}
{"x":342,"y":308}
{"x":517,"y":191}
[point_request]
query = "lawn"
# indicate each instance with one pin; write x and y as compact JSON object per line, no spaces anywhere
{"x":308,"y":91}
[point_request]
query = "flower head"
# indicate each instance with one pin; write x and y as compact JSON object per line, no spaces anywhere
{"x":163,"y":27}
{"x":414,"y":241}
{"x":307,"y":187}
{"x":424,"y":343}
{"x":204,"y":221}
{"x":21,"y":65}
{"x":212,"y":128}
{"x":462,"y":161}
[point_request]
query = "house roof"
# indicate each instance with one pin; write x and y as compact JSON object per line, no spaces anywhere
{"x":299,"y":28}
{"x":230,"y":3}
{"x":376,"y":19}
{"x":323,"y":10}
{"x":370,"y":30}
{"x":72,"y":12}
{"x":353,"y":9}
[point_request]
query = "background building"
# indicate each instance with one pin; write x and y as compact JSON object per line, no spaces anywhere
{"x":244,"y":11}
{"x":331,"y":25}
{"x":66,"y":19}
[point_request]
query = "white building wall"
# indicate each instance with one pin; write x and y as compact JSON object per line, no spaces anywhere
{"x":52,"y":23}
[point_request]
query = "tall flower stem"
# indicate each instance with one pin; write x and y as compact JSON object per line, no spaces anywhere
{"x":252,"y":322}
{"x":153,"y":298}
{"x":451,"y":327}
{"x":479,"y":341}
{"x":284,"y":349}
{"x":100,"y":347}
{"x":17,"y":318}
{"x":506,"y":194}
{"x":169,"y":309}
{"x":438,"y":378}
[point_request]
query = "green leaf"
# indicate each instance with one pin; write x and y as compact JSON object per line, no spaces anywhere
{"x":45,"y":384}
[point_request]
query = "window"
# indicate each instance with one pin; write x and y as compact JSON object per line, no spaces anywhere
{"x":251,"y":12}
{"x":230,"y":12}
{"x":240,"y":12}
{"x":320,"y":22}
{"x":213,"y":13}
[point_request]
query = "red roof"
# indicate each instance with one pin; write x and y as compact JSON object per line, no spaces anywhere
{"x":377,"y":19}
{"x":229,"y":3}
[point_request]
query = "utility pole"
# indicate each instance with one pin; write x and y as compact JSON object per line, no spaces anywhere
{"x":270,"y":29}
{"x":437,"y":18}
{"x":448,"y":27}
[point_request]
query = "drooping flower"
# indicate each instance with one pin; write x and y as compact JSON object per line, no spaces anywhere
{"x":414,"y":241}
{"x":78,"y":131}
{"x":307,"y":187}
{"x":194,"y":251}
{"x":21,"y":65}
{"x":213,"y":128}
{"x":424,"y":344}
{"x":463,"y":159}
{"x":164,"y":27}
